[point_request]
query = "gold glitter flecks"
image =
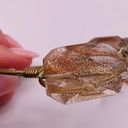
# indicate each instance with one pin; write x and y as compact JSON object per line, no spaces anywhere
{"x":86,"y":71}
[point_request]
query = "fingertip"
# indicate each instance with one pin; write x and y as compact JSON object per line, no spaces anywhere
{"x":4,"y":99}
{"x":9,"y":59}
{"x":8,"y":85}
{"x":8,"y":41}
{"x":24,"y":53}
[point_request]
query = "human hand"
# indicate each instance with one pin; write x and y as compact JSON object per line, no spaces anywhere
{"x":12,"y":55}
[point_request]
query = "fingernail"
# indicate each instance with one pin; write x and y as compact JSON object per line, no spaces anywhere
{"x":8,"y":41}
{"x":24,"y":53}
{"x":12,"y":42}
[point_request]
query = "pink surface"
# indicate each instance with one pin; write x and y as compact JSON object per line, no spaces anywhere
{"x":42,"y":25}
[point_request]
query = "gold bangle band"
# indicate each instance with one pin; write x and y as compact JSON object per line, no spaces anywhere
{"x":30,"y":72}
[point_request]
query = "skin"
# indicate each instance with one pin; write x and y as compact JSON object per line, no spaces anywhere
{"x":12,"y":55}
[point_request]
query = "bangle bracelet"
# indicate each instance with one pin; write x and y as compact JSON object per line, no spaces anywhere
{"x":82,"y":72}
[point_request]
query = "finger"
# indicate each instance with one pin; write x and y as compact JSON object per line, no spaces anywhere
{"x":4,"y":99}
{"x":12,"y":59}
{"x":15,"y":58}
{"x":7,"y":87}
{"x":8,"y":84}
{"x":8,"y":41}
{"x":12,"y":55}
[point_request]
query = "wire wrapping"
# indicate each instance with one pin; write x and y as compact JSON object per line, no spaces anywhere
{"x":34,"y":72}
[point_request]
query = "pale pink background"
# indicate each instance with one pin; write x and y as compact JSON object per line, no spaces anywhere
{"x":42,"y":25}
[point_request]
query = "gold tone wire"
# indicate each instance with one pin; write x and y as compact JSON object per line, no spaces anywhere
{"x":30,"y":72}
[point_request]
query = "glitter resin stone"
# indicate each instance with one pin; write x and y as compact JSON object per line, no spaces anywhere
{"x":86,"y":71}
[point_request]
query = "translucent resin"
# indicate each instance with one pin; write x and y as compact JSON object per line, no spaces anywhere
{"x":86,"y":71}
